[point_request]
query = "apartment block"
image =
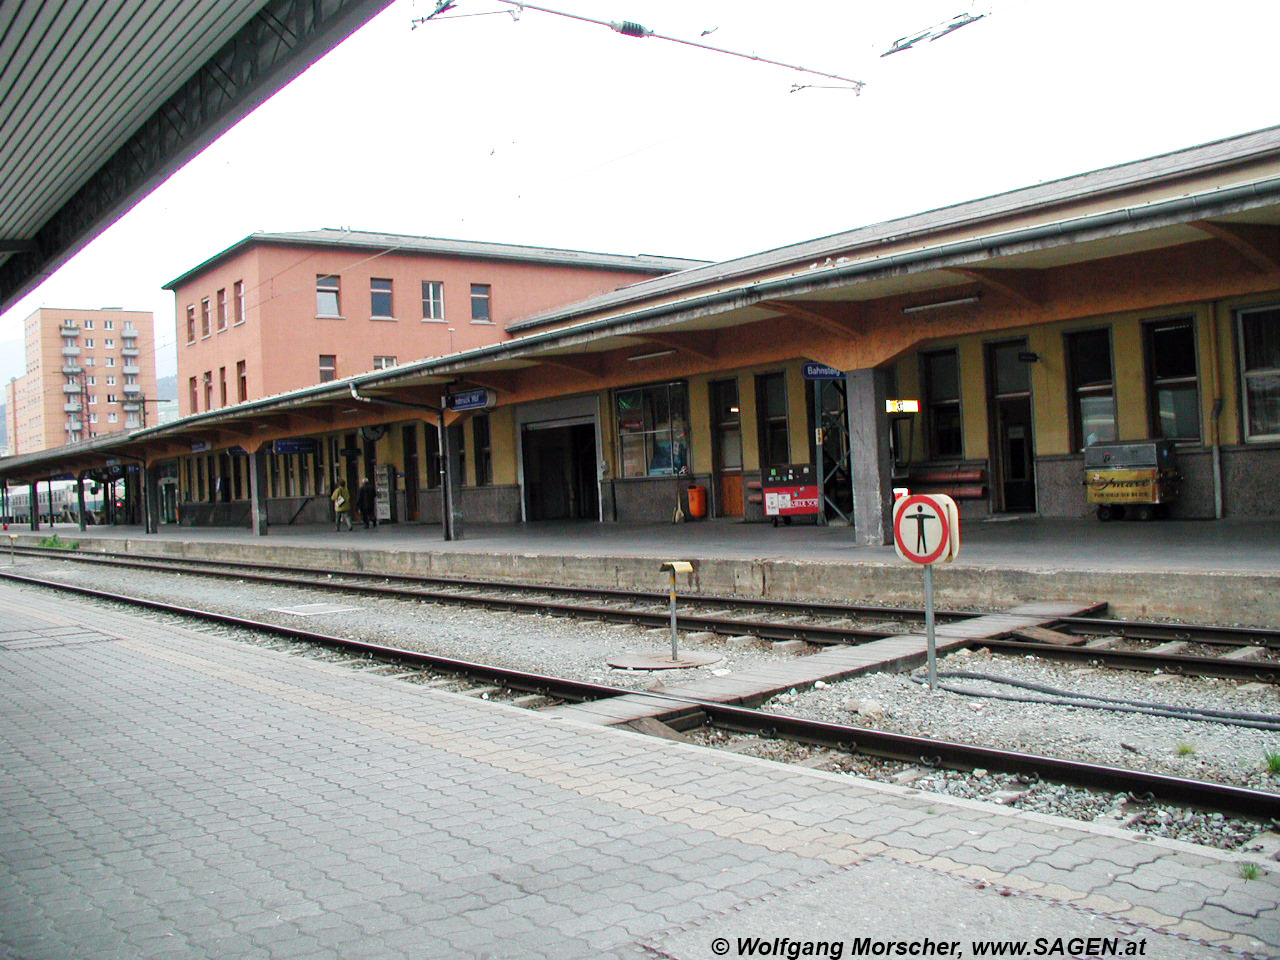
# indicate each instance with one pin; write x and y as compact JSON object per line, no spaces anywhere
{"x":89,"y":373}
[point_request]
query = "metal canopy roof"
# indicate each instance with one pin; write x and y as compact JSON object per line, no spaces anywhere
{"x":100,"y":102}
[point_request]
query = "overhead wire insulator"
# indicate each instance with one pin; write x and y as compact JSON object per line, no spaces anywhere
{"x":629,"y":29}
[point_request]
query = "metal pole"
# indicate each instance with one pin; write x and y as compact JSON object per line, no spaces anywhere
{"x":675,"y":653}
{"x":819,"y":460}
{"x":928,"y":626}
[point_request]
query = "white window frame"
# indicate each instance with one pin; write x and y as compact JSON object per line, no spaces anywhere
{"x":383,"y":363}
{"x":325,"y":286}
{"x":433,"y":301}
{"x":1246,"y":375}
{"x":389,"y":292}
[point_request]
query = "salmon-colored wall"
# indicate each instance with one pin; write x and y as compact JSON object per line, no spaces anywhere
{"x":282,"y":338}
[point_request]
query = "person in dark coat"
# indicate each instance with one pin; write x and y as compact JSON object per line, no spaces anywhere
{"x":367,"y":503}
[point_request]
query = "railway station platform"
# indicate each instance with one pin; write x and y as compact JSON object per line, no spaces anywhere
{"x":1222,"y":572}
{"x":174,"y":794}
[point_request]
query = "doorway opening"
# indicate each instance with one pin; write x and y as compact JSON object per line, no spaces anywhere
{"x":560,"y":471}
{"x":1012,"y":428}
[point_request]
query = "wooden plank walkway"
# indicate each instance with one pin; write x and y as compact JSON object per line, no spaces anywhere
{"x":752,"y":687}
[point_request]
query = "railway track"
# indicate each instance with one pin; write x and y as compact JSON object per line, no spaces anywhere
{"x":688,"y":712}
{"x":1187,"y":649}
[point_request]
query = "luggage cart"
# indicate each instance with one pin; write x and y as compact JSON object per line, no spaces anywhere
{"x":1135,"y":478}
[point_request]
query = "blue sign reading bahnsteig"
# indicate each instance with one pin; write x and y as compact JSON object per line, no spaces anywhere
{"x":469,"y":399}
{"x":820,"y":371}
{"x":294,"y":445}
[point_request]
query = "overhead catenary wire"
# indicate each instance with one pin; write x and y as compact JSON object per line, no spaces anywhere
{"x":629,"y":28}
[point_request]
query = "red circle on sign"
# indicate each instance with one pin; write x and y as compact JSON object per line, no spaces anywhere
{"x":901,"y":510}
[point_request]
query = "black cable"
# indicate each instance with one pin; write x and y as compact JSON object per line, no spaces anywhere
{"x":1259,"y":721}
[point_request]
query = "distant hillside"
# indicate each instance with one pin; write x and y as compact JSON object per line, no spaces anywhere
{"x":167,"y":388}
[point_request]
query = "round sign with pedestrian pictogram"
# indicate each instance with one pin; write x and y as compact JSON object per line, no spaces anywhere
{"x":926,"y":528}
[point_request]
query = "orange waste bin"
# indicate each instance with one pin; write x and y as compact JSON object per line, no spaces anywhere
{"x":697,"y":501}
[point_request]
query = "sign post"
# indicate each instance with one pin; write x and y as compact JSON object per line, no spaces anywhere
{"x":926,"y":530}
{"x":819,"y":374}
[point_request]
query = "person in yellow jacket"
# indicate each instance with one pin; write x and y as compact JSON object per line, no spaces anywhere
{"x":341,"y":498}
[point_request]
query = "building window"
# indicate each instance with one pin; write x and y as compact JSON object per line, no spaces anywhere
{"x":93,"y":399}
{"x":222,"y":385}
{"x":93,"y":381}
{"x":1173,"y":391}
{"x":93,"y":418}
{"x":483,"y":455}
{"x":108,"y":343}
{"x":328,"y":367}
{"x":222,"y":309}
{"x":771,"y":418}
{"x":128,"y":325}
{"x":237,"y":291}
{"x":193,"y":395}
{"x":1260,"y":371}
{"x":111,"y":398}
{"x":380,"y":299}
{"x":204,"y":317}
{"x":111,"y":381}
{"x":653,"y":429}
{"x":481,"y":297}
{"x":208,"y":389}
{"x":88,"y":324}
{"x":108,"y":324}
{"x":90,"y":361}
{"x":191,"y":323}
{"x":88,"y":342}
{"x":432,"y":300}
{"x":941,"y":376}
{"x":382,"y":363}
{"x":109,"y":362}
{"x":327,"y":300}
{"x":1092,"y":390}
{"x":242,"y":379}
{"x":113,"y":418}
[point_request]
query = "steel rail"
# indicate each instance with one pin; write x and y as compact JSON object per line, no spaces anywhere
{"x":1190,"y":632}
{"x":858,"y":740}
{"x":1263,"y":671}
{"x":478,"y":594}
{"x":1267,"y":672}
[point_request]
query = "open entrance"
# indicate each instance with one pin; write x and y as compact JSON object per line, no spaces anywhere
{"x":560,"y":479}
{"x":726,"y":447}
{"x":1012,"y":435}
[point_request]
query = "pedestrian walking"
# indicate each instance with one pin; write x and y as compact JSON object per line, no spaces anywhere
{"x":367,"y":501}
{"x":341,"y":498}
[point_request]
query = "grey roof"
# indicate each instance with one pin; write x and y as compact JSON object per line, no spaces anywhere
{"x":99,"y":102}
{"x":437,"y":246}
{"x":1096,"y":184}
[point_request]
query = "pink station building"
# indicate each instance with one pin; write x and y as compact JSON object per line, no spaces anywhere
{"x":280,"y":311}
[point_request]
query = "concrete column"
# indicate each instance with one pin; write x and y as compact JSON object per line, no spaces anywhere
{"x":870,"y":464}
{"x":34,"y":503}
{"x":150,"y":499}
{"x":80,"y":502}
{"x":258,"y":492}
{"x":451,"y":483}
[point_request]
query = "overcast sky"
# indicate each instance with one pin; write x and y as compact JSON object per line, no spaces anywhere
{"x":552,"y":132}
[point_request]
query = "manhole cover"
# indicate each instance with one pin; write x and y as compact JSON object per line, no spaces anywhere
{"x":663,"y":661}
{"x":312,"y":609}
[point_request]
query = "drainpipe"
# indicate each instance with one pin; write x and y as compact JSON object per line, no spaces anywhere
{"x":449,"y":520}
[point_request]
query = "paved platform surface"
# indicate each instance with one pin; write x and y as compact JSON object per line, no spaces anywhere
{"x":172,"y":794}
